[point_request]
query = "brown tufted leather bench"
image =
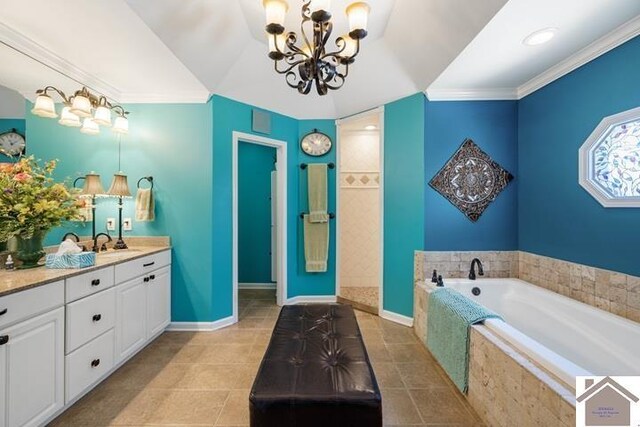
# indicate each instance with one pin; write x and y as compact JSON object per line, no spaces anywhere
{"x":316,"y":372}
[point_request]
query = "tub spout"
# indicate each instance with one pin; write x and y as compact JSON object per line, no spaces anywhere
{"x":472,"y":270}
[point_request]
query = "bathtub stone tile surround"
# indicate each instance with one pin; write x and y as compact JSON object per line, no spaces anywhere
{"x":496,"y":264}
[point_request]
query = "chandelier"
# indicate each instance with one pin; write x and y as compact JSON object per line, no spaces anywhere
{"x":310,"y":62}
{"x":94,"y":110}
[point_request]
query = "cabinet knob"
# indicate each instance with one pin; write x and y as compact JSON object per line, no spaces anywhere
{"x":95,"y":282}
{"x":3,"y":312}
{"x":4,"y":339}
{"x":146,"y":279}
{"x":97,"y":317}
{"x":152,"y":277}
{"x":95,"y":363}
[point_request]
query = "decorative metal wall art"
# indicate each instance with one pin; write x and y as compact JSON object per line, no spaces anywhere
{"x":471,"y":180}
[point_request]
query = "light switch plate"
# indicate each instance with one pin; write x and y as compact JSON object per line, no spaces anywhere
{"x":126,"y":224}
{"x":111,"y":224}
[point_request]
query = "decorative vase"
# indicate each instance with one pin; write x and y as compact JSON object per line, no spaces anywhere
{"x":30,"y":250}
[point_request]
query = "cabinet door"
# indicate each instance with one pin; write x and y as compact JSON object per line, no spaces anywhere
{"x":32,"y":360}
{"x":131,"y":315}
{"x":158,"y":301}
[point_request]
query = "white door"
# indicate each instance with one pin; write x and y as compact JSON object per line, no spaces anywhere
{"x":158,"y":301}
{"x":274,"y":225}
{"x":131,"y":317}
{"x":32,"y":361}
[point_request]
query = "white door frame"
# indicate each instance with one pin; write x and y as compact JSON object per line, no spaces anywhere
{"x":380,"y":112}
{"x":281,"y":155}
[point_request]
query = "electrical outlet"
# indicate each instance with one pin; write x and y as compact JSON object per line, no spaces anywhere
{"x":126,"y":224}
{"x":111,"y":224}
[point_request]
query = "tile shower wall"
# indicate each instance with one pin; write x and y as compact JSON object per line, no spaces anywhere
{"x":359,"y":217}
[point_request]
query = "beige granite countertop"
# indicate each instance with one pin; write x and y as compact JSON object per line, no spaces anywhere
{"x":19,"y":280}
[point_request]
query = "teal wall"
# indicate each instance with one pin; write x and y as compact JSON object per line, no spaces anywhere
{"x":173,"y":144}
{"x":255,"y":164}
{"x":7,"y":125}
{"x":404,"y":132}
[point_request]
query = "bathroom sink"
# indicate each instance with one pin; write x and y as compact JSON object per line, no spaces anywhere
{"x":112,"y":253}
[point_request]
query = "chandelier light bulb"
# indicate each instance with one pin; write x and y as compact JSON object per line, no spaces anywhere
{"x":350,"y":47}
{"x":90,"y":127}
{"x":44,"y":107}
{"x":67,"y":118}
{"x":275,"y":12}
{"x":277,"y":45}
{"x":102,"y":116}
{"x":121,"y":125}
{"x":320,"y":10}
{"x":81,"y":106}
{"x":358,"y":14}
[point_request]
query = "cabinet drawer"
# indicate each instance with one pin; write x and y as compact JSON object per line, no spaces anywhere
{"x":138,"y":267}
{"x":88,"y":364}
{"x":21,"y":305}
{"x":90,"y":317}
{"x":89,"y":283}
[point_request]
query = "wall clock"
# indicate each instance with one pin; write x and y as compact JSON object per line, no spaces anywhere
{"x":316,"y":143}
{"x":12,"y":143}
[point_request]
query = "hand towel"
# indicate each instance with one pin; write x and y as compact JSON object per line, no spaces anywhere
{"x":85,"y":214}
{"x":317,"y":189}
{"x":316,"y":245}
{"x":145,"y":205}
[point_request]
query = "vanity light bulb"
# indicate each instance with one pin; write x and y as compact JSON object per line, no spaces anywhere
{"x":44,"y":107}
{"x":102,"y":116}
{"x":81,"y":106}
{"x":121,"y":125}
{"x":90,"y":127}
{"x":67,"y":118}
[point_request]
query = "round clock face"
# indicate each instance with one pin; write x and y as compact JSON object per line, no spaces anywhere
{"x":316,"y":144}
{"x":12,"y":143}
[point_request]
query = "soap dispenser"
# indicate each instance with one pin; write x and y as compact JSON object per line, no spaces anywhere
{"x":8,"y":264}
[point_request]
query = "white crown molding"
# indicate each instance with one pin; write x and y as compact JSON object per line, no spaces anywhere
{"x":181,"y":97}
{"x":202,"y":326}
{"x":397,"y":318}
{"x":497,"y":94}
{"x":610,"y":41}
{"x":40,"y":53}
{"x":312,"y":299}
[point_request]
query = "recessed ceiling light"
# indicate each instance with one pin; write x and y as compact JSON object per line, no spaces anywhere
{"x":540,"y":37}
{"x":371,"y":127}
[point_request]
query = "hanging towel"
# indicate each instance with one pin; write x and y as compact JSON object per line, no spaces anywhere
{"x":145,"y":205}
{"x":449,"y":318}
{"x":317,"y":189}
{"x":316,"y":245}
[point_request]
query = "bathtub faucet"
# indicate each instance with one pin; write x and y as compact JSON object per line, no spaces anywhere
{"x":472,"y":271}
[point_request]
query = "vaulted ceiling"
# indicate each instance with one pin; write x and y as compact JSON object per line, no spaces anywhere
{"x":184,"y":51}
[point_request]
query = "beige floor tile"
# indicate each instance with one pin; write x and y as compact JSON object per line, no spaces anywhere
{"x":403,"y":353}
{"x":441,"y":405}
{"x":236,"y":409}
{"x":387,"y":375}
{"x":190,"y":407}
{"x":226,"y":353}
{"x":421,"y":375}
{"x":398,"y":407}
{"x":222,"y":377}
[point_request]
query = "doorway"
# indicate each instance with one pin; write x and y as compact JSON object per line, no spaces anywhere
{"x":360,"y":211}
{"x":259,"y":221}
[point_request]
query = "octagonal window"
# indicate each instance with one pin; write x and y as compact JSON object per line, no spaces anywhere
{"x":610,"y":161}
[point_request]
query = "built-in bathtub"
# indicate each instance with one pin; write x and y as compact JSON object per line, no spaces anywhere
{"x":566,"y":337}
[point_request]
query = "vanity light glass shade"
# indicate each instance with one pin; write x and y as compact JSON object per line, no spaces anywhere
{"x":119,"y":186}
{"x":358,"y":14}
{"x":102,"y":116}
{"x":81,"y":106}
{"x":280,"y":39}
{"x":351,"y":47}
{"x":90,"y":127}
{"x":44,"y":107}
{"x":67,"y":118}
{"x":275,"y":11}
{"x":121,"y":125}
{"x":318,"y":5}
{"x":92,"y":186}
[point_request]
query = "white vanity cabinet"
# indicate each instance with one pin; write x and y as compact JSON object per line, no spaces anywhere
{"x":32,"y":355}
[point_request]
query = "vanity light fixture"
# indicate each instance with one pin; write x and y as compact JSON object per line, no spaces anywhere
{"x":540,"y":37}
{"x":308,"y":62}
{"x":95,"y":110}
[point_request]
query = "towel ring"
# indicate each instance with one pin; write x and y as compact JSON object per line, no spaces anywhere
{"x":146,"y":178}
{"x":329,"y":165}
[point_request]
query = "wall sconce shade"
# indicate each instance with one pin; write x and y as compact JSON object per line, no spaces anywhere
{"x":275,"y":11}
{"x":121,"y":125}
{"x":81,"y":105}
{"x":67,"y":118}
{"x":119,"y":186}
{"x":92,"y":186}
{"x":102,"y":116}
{"x":90,"y":127}
{"x":44,"y":107}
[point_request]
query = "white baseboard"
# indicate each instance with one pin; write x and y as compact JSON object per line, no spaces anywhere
{"x":256,"y":285}
{"x":202,"y":326}
{"x":312,"y":299}
{"x":398,"y":318}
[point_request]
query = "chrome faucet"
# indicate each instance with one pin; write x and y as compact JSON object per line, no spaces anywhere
{"x":104,"y":245}
{"x":75,"y":236}
{"x":472,"y":271}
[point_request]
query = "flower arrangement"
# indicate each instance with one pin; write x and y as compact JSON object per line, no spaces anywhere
{"x":31,"y":202}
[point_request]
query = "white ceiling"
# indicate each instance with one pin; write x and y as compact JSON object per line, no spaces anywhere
{"x":183,"y":51}
{"x":497,"y":62}
{"x":11,"y":104}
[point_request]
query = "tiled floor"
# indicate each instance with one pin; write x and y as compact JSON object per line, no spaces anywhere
{"x":204,"y":378}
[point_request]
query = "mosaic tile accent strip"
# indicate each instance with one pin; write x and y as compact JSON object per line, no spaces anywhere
{"x":471,"y":180}
{"x":359,"y":180}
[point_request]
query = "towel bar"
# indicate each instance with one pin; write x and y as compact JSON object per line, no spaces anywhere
{"x":331,"y":215}
{"x":146,"y":178}
{"x":329,"y":165}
